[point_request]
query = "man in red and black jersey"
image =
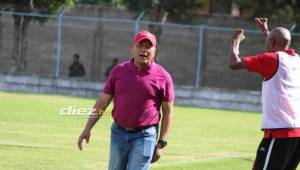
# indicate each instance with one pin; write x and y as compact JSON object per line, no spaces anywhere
{"x":280,"y":68}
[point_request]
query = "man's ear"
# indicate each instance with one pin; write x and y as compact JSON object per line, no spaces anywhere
{"x":132,"y":49}
{"x":272,"y":42}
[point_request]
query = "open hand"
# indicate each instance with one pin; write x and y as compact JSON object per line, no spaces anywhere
{"x":262,"y":24}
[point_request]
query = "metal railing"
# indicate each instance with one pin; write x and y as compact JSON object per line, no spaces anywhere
{"x":202,"y":37}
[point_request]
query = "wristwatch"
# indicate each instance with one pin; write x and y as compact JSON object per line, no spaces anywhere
{"x":162,"y":143}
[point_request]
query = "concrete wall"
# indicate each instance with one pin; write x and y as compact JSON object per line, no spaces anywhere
{"x":99,"y":42}
{"x":215,"y":66}
{"x":204,"y":97}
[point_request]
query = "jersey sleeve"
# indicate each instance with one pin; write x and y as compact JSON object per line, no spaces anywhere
{"x":265,"y":64}
{"x":168,"y":89}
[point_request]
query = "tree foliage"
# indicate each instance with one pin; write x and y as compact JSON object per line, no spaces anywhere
{"x":96,"y":2}
{"x":177,"y":10}
{"x":161,"y":10}
{"x":37,"y":6}
{"x":21,"y":25}
{"x":282,"y":12}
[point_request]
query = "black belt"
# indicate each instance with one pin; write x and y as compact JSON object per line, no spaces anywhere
{"x":134,"y":130}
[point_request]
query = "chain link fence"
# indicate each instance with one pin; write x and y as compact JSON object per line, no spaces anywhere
{"x":195,"y":55}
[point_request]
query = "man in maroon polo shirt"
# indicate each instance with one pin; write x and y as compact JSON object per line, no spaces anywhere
{"x":139,"y":87}
{"x":280,"y":68}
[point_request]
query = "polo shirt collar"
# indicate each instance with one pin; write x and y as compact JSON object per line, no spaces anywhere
{"x":148,"y":68}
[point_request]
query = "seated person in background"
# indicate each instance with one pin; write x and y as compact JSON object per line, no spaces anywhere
{"x":114,"y":62}
{"x":76,"y":69}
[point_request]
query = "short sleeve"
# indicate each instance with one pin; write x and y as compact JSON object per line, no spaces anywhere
{"x":109,"y":86}
{"x":168,"y":89}
{"x":265,"y":64}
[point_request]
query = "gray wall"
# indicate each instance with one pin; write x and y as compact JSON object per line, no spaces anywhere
{"x":203,"y":97}
{"x":99,"y":42}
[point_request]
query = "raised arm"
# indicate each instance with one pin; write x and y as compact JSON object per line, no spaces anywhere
{"x":235,"y":62}
{"x":98,"y":110}
{"x":262,"y":25}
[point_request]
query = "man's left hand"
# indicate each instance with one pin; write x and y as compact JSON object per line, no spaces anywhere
{"x":158,"y":152}
{"x":238,"y":35}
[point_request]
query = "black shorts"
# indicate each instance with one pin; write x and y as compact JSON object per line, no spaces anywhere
{"x":278,"y":154}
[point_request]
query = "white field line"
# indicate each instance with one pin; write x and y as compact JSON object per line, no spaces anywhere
{"x":51,"y":126}
{"x":172,"y":163}
{"x":31,"y":145}
{"x":56,"y":146}
{"x":51,"y":134}
{"x":24,"y":124}
{"x":95,"y":136}
{"x":101,"y":137}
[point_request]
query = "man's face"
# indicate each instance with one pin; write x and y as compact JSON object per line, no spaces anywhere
{"x":75,"y":59}
{"x":143,"y":53}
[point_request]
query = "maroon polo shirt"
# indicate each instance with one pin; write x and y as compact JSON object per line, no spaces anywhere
{"x":138,"y":93}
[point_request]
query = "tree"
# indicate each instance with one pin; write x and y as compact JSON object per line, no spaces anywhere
{"x":220,"y":6}
{"x":177,"y":10}
{"x":21,"y":25}
{"x":96,"y":2}
{"x":160,"y":10}
{"x":283,"y":12}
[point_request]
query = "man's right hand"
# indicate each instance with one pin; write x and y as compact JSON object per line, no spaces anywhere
{"x":84,"y":135}
{"x":262,"y":25}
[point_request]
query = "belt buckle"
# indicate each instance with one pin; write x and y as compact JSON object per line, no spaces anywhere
{"x":127,"y":129}
{"x":130,"y":129}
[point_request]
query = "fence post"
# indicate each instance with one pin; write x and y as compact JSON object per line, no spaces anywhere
{"x":58,"y":47}
{"x":137,"y":23}
{"x":198,"y":77}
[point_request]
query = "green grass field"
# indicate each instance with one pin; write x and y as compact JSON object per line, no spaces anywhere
{"x":33,"y":135}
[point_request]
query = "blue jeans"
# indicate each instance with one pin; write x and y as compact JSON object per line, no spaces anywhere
{"x":131,"y":151}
